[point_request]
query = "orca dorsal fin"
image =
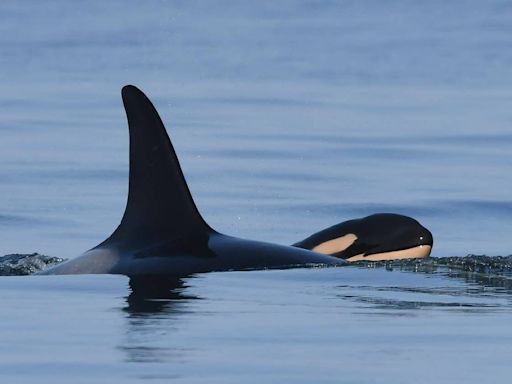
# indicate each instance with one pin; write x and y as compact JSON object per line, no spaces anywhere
{"x":160,"y":206}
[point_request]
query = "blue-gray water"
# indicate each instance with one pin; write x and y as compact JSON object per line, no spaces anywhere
{"x":343,"y":325}
{"x":287,"y":117}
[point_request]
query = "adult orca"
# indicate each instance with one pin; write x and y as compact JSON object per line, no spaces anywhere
{"x":162,"y":232}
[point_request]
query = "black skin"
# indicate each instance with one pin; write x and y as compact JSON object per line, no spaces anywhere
{"x":378,"y":233}
{"x":163,"y":233}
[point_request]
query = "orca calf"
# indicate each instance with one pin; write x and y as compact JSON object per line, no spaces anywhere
{"x":162,"y":232}
{"x":382,"y":236}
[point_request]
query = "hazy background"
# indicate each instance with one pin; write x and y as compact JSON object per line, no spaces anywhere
{"x":287,"y":116}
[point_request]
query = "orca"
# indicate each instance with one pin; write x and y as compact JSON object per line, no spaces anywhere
{"x":162,"y":231}
{"x":382,"y":236}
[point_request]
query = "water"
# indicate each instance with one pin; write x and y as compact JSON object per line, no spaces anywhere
{"x":287,"y":117}
{"x":337,"y":325}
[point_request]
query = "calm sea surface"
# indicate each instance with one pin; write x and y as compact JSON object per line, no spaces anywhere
{"x":288,"y":117}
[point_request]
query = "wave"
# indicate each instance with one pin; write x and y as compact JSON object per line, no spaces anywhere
{"x":470,"y":263}
{"x":26,"y":264}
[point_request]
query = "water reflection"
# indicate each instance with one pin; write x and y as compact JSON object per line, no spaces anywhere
{"x":155,"y":307}
{"x":162,"y":316}
{"x":156,"y":294}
